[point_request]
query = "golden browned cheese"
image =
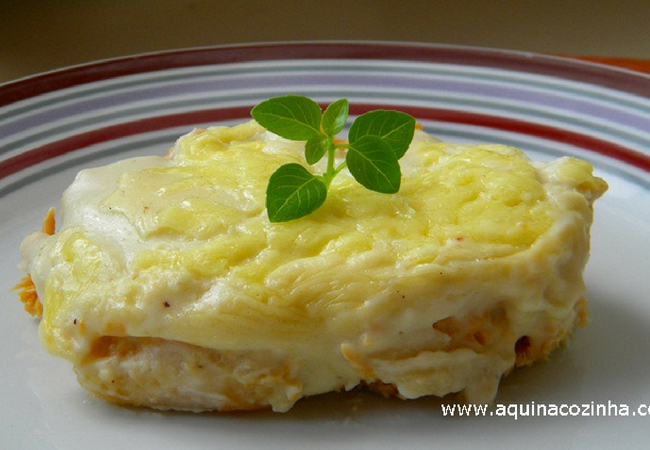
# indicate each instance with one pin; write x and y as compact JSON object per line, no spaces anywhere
{"x":167,"y":286}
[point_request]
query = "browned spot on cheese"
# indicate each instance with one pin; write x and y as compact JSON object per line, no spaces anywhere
{"x":386,"y":390}
{"x":582,"y":317}
{"x":356,"y":361}
{"x":27,"y":291}
{"x":522,"y":348}
{"x":28,"y":296}
{"x":115,"y":329}
{"x":49,"y":223}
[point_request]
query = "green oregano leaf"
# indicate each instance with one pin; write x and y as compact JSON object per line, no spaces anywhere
{"x":315,"y":148}
{"x":376,"y":142}
{"x":393,"y":127}
{"x":293,"y":192}
{"x":373,"y":164}
{"x":335,"y":117}
{"x":292,"y":116}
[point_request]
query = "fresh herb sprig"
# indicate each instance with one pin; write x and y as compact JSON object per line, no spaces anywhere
{"x":376,"y":141}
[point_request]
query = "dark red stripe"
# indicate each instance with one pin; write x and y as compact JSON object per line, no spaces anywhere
{"x":584,"y":141}
{"x":567,"y":68}
{"x":80,"y":141}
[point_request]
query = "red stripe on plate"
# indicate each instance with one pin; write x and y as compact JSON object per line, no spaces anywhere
{"x":77,"y":142}
{"x":567,"y":68}
{"x":584,"y":141}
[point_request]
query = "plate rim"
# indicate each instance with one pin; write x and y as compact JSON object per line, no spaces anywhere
{"x":561,"y":68}
{"x":566,"y":67}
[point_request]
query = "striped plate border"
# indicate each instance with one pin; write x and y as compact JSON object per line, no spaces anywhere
{"x":552,"y":106}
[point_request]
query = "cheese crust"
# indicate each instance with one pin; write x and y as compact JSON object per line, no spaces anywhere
{"x":166,"y":286}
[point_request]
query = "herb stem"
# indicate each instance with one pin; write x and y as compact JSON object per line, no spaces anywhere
{"x":338,"y":170}
{"x":331,"y":155}
{"x":376,"y":141}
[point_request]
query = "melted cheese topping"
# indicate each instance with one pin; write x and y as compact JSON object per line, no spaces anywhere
{"x":180,"y":249}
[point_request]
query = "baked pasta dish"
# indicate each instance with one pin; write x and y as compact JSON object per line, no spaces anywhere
{"x":166,"y":286}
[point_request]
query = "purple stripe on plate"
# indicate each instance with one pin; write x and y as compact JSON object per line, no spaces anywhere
{"x":515,"y":97}
{"x":625,"y":81}
{"x":53,"y":149}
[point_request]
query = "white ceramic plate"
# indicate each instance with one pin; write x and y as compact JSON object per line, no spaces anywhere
{"x":54,"y":124}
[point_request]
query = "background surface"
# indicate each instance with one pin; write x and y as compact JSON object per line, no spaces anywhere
{"x":40,"y":35}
